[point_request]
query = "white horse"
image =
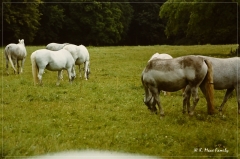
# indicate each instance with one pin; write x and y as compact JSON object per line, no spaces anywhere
{"x":15,"y":53}
{"x":53,"y":61}
{"x":55,"y":46}
{"x":81,"y":56}
{"x":226,"y":75}
{"x":162,"y":56}
{"x":175,"y":74}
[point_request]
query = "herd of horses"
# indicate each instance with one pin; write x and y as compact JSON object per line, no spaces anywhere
{"x":56,"y":57}
{"x":162,"y":73}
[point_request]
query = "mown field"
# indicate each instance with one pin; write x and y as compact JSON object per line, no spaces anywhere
{"x":107,"y":111}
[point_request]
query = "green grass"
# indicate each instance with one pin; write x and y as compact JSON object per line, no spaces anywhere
{"x":107,"y":112}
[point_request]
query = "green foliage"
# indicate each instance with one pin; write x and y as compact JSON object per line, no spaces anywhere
{"x":92,"y":23}
{"x":19,"y":20}
{"x":146,"y":26}
{"x":52,"y":20}
{"x":105,"y":26}
{"x":201,"y":22}
{"x":128,"y":22}
{"x":107,"y":111}
{"x":177,"y":15}
{"x":206,"y":28}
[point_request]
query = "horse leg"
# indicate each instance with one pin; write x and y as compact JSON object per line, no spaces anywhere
{"x":40,"y":73}
{"x":59,"y":77}
{"x":88,"y":69}
{"x":22,"y":64}
{"x":186,"y":99}
{"x":227,"y":95}
{"x":18,"y":67}
{"x":69,"y":71}
{"x":86,"y":63}
{"x":73,"y":73}
{"x":155,"y":92}
{"x":7,"y":66}
{"x":194,"y":92}
{"x":14,"y":64}
{"x":79,"y":69}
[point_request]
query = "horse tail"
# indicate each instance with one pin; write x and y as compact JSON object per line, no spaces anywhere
{"x":208,"y":88}
{"x":10,"y":58}
{"x":34,"y":68}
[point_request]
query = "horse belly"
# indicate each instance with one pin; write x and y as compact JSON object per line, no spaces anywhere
{"x":170,"y":81}
{"x":79,"y":61}
{"x":224,"y":83}
{"x":223,"y":78}
{"x":54,"y":67}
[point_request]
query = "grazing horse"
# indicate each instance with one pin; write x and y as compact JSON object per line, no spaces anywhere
{"x":81,"y":56}
{"x":55,"y":46}
{"x":15,"y":53}
{"x":226,"y":75}
{"x":162,"y":56}
{"x":175,"y":74}
{"x":53,"y":61}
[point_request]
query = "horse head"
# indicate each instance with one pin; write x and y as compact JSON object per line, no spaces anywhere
{"x":21,"y":41}
{"x":151,"y":104}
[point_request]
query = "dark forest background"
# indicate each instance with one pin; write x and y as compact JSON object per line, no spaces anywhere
{"x":127,"y":22}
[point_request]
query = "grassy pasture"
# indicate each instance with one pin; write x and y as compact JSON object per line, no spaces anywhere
{"x":107,"y":112}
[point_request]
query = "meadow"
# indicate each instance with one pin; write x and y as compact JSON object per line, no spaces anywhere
{"x":107,"y":111}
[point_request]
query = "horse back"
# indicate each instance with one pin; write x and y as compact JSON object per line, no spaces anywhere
{"x":226,"y":71}
{"x":179,"y":63}
{"x":55,"y":46}
{"x":174,"y":74}
{"x":63,"y":56}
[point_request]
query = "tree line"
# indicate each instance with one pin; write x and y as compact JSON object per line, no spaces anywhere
{"x":128,"y":22}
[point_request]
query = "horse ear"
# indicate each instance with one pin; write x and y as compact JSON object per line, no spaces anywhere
{"x":19,"y":40}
